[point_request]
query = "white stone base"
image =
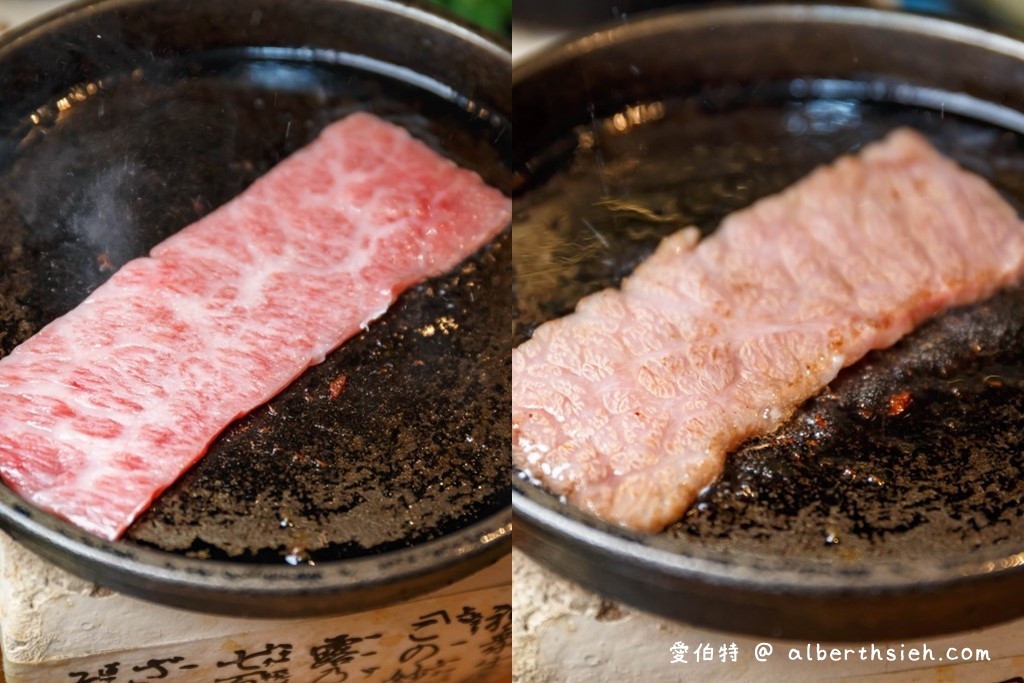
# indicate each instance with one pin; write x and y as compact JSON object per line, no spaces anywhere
{"x":565,"y":634}
{"x":58,"y":628}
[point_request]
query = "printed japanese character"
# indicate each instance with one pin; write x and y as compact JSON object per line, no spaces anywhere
{"x":704,"y":653}
{"x":502,"y":638}
{"x":336,"y":652}
{"x":423,"y":671}
{"x":419,"y":653}
{"x":252,"y":662}
{"x":106,"y":674}
{"x":432,"y":619}
{"x":159,"y":669}
{"x":496,"y":621}
{"x":471,"y":617}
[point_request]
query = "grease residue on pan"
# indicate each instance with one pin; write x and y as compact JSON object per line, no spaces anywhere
{"x":399,"y":437}
{"x":912,"y":454}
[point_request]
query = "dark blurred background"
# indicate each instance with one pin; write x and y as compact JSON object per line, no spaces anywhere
{"x":1006,"y":14}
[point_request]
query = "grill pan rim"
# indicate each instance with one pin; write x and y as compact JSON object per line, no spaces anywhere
{"x":714,"y":589}
{"x":260,"y":590}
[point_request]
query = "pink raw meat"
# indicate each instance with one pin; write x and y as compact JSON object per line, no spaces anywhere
{"x":628,"y":406}
{"x":108,"y":405}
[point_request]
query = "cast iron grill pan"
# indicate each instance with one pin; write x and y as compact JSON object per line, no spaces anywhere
{"x":392,"y":455}
{"x":890,"y":504}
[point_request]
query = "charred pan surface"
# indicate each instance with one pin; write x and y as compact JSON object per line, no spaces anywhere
{"x":912,"y":453}
{"x":415,"y":445}
{"x":15,"y":280}
{"x":400,"y":436}
{"x":913,"y":450}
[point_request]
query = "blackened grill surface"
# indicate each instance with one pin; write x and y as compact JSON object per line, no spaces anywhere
{"x":913,"y":453}
{"x":915,"y":450}
{"x":412,"y":443}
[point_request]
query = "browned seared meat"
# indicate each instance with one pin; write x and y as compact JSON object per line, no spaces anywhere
{"x":629,"y":406}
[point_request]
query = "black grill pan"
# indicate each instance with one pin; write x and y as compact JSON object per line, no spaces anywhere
{"x":889,"y":506}
{"x":375,"y":476}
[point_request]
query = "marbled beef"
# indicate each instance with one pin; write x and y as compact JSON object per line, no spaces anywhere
{"x":629,"y":405}
{"x":109,"y":404}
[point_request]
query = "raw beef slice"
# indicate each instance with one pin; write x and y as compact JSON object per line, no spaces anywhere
{"x":108,"y":405}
